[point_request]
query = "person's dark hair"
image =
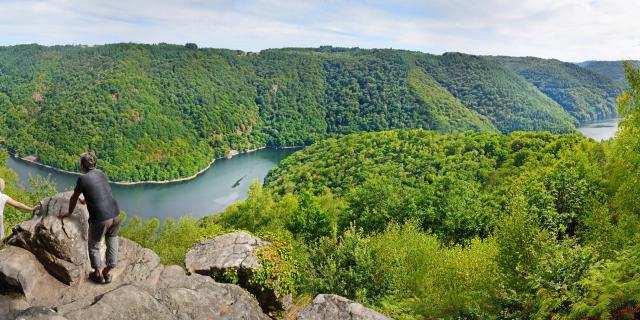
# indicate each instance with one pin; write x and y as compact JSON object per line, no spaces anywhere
{"x":88,"y":160}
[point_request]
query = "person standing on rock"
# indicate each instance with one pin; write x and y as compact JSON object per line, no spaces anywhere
{"x":6,"y":199}
{"x":104,"y":216}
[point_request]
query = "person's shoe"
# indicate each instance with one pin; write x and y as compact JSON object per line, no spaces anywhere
{"x":106,"y":273}
{"x":97,"y":279}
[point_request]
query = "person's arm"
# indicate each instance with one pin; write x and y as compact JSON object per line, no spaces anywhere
{"x":18,"y":205}
{"x":72,"y":205}
{"x":73,"y":201}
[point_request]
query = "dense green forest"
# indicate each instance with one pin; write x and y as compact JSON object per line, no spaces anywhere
{"x":425,"y":225}
{"x":586,"y":96}
{"x":159,"y":112}
{"x":497,"y":93}
{"x":613,"y":70}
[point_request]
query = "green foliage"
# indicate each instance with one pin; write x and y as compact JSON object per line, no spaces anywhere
{"x":613,"y":70}
{"x":310,"y":221}
{"x":447,"y":113}
{"x":611,"y":288}
{"x":173,"y":239}
{"x":279,"y":269}
{"x":345,"y":266}
{"x":499,"y":94}
{"x":160,"y":112}
{"x":454,"y":185}
{"x":260,"y":212}
{"x":39,"y":188}
{"x":151,"y":112}
{"x":584,"y":94}
{"x":405,"y":273}
{"x":230,"y":276}
{"x":432,"y":280}
{"x":625,"y":157}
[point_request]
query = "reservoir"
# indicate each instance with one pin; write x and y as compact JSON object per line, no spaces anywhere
{"x":600,"y":130}
{"x":226,"y":182}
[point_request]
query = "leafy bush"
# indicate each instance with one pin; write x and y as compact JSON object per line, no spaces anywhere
{"x":611,"y":288}
{"x":173,"y":239}
{"x":309,"y":221}
{"x":279,"y":271}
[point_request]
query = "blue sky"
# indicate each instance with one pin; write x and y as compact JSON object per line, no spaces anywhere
{"x":569,"y":30}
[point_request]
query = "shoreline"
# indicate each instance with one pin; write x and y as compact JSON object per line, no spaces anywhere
{"x":614,"y":116}
{"x":585,"y":124}
{"x":133,"y":183}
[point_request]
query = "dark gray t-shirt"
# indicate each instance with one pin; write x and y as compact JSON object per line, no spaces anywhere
{"x":95,"y":187}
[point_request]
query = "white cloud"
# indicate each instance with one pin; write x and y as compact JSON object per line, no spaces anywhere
{"x":571,"y":30}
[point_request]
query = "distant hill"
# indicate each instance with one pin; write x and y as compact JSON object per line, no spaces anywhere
{"x":610,"y":69}
{"x":497,"y":93}
{"x":583,"y":93}
{"x":160,"y":112}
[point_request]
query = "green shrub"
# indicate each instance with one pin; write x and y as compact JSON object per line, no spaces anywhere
{"x":173,"y":240}
{"x":429,"y":281}
{"x":309,"y":221}
{"x":611,"y":288}
{"x":279,"y":271}
{"x":260,"y":211}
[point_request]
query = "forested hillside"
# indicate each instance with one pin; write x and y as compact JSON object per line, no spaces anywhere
{"x":159,"y":112}
{"x":493,"y":91}
{"x":613,"y":70}
{"x":425,"y":225}
{"x":422,"y":225}
{"x":150,"y":112}
{"x":584,"y":94}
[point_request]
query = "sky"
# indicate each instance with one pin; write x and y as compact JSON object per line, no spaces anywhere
{"x":569,"y":30}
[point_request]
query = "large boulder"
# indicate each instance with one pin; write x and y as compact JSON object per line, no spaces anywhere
{"x":234,"y":255}
{"x":126,"y":302}
{"x":21,"y":273}
{"x":59,"y":244}
{"x":331,"y":306}
{"x":142,"y":287}
{"x":200,"y":297}
{"x":218,"y":255}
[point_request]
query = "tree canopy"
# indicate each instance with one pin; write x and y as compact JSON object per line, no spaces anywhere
{"x":160,"y":112}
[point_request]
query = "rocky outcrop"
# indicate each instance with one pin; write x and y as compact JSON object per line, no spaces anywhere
{"x":199,"y":297}
{"x":45,"y":279}
{"x":231,"y":153}
{"x":43,"y":276}
{"x":331,"y":306}
{"x":218,"y":255}
{"x":21,"y":273}
{"x":126,"y":302}
{"x":59,"y":244}
{"x":236,"y":254}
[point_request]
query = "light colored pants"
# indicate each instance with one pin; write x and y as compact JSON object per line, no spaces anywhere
{"x":109,"y":230}
{"x":1,"y":228}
